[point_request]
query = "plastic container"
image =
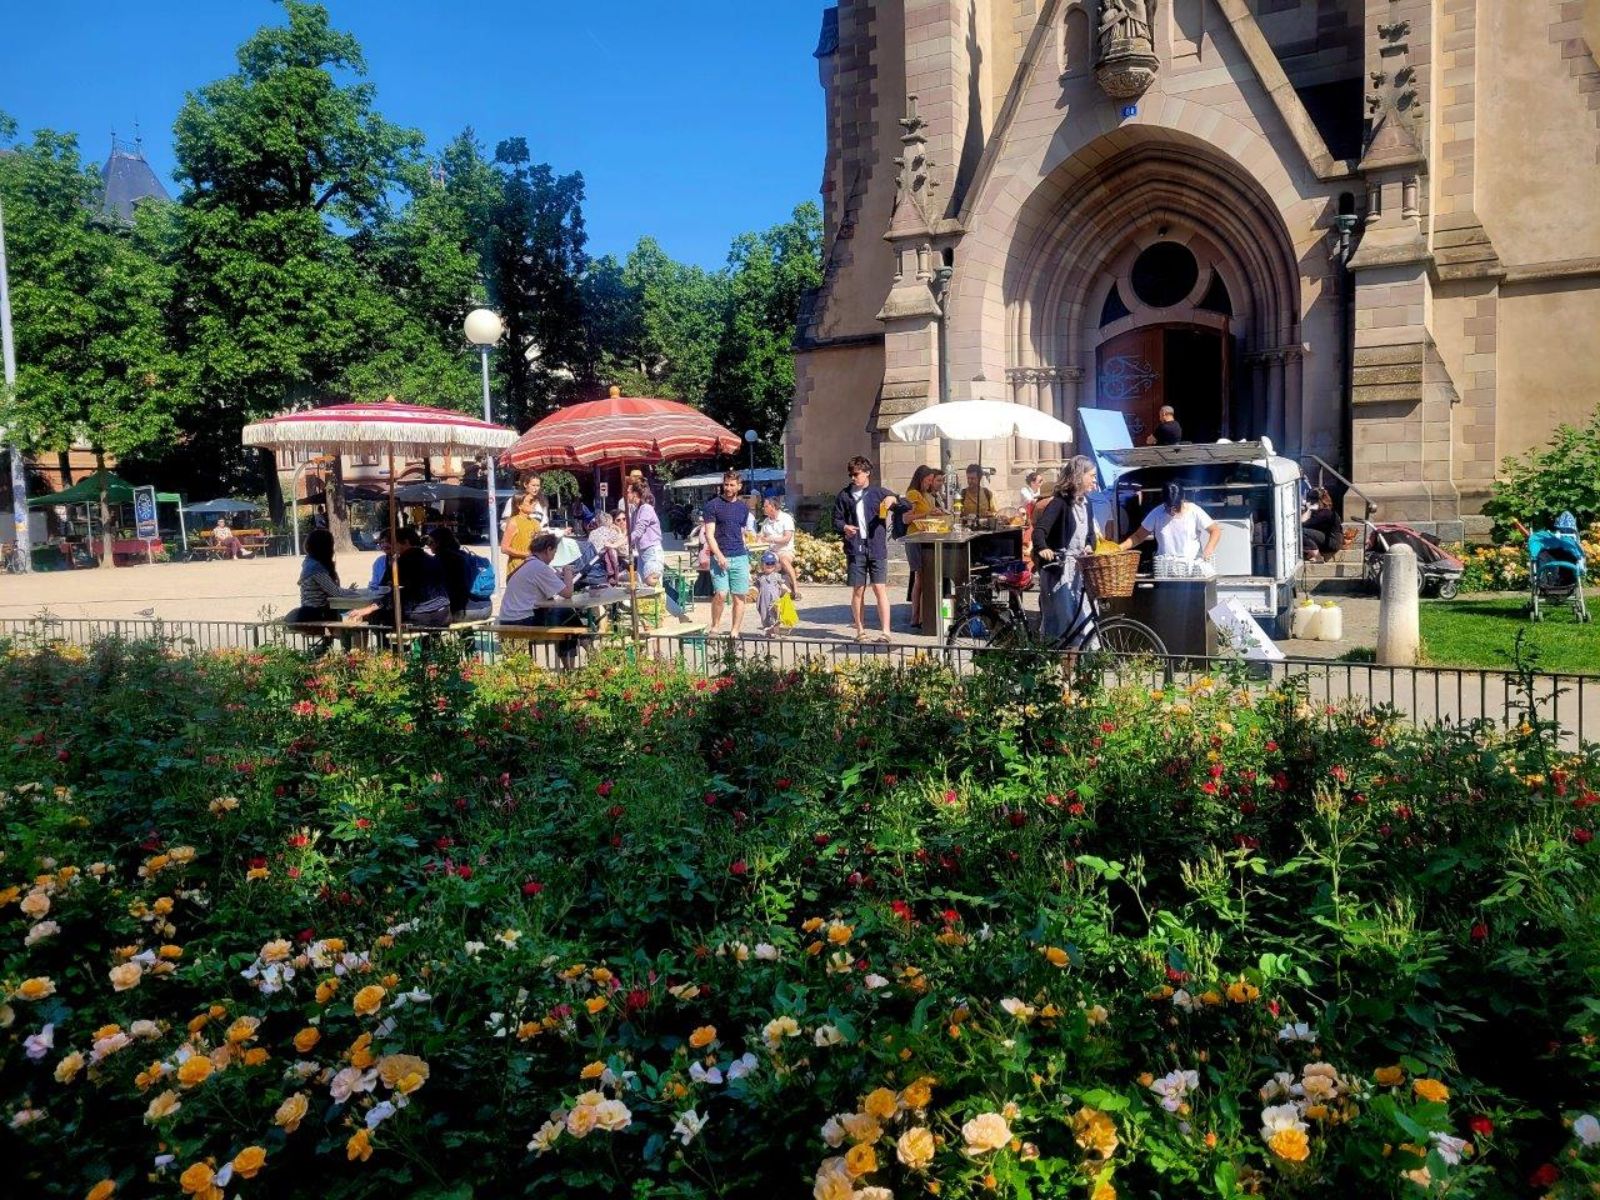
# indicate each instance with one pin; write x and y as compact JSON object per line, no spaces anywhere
{"x":1330,"y":623}
{"x":1303,"y":621}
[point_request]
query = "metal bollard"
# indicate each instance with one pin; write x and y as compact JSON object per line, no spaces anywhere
{"x":1399,"y":632}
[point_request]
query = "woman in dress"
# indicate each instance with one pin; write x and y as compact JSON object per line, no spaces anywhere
{"x":1063,"y":528}
{"x":520,"y":532}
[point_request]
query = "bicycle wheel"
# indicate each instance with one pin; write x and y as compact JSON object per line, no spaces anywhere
{"x":1127,"y":638}
{"x":980,"y":629}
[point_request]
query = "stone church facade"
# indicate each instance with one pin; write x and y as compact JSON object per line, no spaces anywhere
{"x":1367,"y":229}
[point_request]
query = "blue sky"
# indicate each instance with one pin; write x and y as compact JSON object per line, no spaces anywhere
{"x":691,"y":120}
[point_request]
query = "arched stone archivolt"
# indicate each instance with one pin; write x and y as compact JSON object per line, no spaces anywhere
{"x":1082,"y":229}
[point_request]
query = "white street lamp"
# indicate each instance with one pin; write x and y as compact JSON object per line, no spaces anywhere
{"x":484,"y":328}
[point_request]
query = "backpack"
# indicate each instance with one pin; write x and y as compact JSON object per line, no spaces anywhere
{"x":897,"y":520}
{"x":482,"y":576}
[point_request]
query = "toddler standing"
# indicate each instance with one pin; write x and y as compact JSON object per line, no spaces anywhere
{"x":770,"y":586}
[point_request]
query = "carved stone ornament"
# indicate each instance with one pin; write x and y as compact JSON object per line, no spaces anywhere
{"x":1125,"y":50}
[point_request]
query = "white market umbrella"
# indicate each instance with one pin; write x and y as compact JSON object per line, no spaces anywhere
{"x":977,"y":421}
{"x":388,"y":427}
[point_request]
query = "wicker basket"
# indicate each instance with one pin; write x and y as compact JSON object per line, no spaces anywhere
{"x":1106,"y":576}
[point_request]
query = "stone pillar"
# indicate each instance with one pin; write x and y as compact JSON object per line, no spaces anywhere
{"x":1399,"y":632}
{"x":1275,"y":397}
{"x":1294,"y":388}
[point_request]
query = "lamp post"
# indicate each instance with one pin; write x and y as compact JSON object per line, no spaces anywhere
{"x":750,"y":436}
{"x":483,"y":329}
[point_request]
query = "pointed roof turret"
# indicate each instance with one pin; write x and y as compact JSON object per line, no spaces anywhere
{"x":127,"y":179}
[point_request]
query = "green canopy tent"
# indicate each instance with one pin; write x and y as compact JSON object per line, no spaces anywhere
{"x":117,"y":491}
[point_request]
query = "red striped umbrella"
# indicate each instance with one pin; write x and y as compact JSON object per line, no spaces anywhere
{"x":619,"y":430}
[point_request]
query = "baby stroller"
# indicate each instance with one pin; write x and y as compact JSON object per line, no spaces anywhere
{"x":1556,"y":568}
{"x":1438,"y":570}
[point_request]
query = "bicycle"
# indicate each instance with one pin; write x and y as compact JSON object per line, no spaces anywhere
{"x":979,"y":623}
{"x":11,"y":559}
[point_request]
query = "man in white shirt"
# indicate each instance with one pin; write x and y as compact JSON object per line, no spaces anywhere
{"x":521,"y":604}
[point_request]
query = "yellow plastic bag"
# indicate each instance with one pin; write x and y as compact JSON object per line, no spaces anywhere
{"x":1106,"y":546}
{"x":788,"y":614}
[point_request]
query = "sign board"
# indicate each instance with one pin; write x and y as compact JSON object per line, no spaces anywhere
{"x":1105,"y":430}
{"x":1129,"y":110}
{"x":605,"y":489}
{"x":144,"y":514}
{"x":1244,"y":634}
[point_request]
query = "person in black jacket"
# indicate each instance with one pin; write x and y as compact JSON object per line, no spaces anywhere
{"x":861,"y":511}
{"x":1063,"y":528}
{"x":424,"y":597}
{"x":1321,"y":531}
{"x":460,"y":573}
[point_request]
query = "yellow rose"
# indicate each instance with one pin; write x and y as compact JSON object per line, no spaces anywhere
{"x":917,"y":1095}
{"x":367,"y":1000}
{"x":243,"y":1030}
{"x":839,"y":933}
{"x":861,"y":1159}
{"x":163,"y":1105}
{"x":195,"y":1069}
{"x":986,"y":1132}
{"x":1290,"y":1144}
{"x":1389,"y":1076}
{"x":197,"y":1179}
{"x":326,"y":990}
{"x":276,"y":950}
{"x":881,"y":1104}
{"x":915,"y":1148}
{"x":290,"y":1113}
{"x":395,"y":1069}
{"x":171,"y":952}
{"x":333,"y":945}
{"x":1056,"y":956}
{"x":1431,"y":1089}
{"x":359,"y":1146}
{"x":255,"y":1056}
{"x":126,"y":976}
{"x":811,"y":925}
{"x":360,"y":1052}
{"x":248,"y":1161}
{"x":529,"y":1029}
{"x":1103,"y":1191}
{"x":36,"y":988}
{"x":595,"y":1004}
{"x":305,"y":1041}
{"x":860,"y":1127}
{"x":102,"y":1190}
{"x":1241,"y":992}
{"x":1095,"y":1132}
{"x":7,"y":895}
{"x":581,"y":1121}
{"x":592,"y":1070}
{"x":35,"y":904}
{"x":68,"y":1068}
{"x":703,"y":1036}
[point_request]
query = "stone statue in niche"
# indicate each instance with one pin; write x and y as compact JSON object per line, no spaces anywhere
{"x":1125,"y":59}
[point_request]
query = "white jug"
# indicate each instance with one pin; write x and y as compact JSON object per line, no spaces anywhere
{"x":1303,"y":620}
{"x":1330,"y":623}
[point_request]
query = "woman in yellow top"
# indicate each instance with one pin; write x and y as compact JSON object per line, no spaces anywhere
{"x":520,"y":531}
{"x":923,"y":494}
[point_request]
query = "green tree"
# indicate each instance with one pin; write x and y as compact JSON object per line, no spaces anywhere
{"x":89,"y":301}
{"x":284,"y":164}
{"x":752,"y":380}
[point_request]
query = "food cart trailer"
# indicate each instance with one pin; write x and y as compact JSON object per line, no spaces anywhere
{"x":1253,"y":493}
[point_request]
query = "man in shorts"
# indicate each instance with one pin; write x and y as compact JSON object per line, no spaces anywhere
{"x":724,"y":519}
{"x":861,"y":511}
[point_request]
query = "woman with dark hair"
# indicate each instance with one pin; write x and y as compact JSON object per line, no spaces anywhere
{"x":1321,"y":531}
{"x":319,"y":582}
{"x":923,"y":496}
{"x":1178,"y":525}
{"x":460,"y":572}
{"x":1063,"y":528}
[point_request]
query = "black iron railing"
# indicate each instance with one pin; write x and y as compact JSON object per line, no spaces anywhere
{"x":1426,"y":695}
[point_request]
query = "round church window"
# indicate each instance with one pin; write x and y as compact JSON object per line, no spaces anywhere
{"x":1164,"y":274}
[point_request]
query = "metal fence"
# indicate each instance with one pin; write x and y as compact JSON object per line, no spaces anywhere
{"x":1425,"y":695}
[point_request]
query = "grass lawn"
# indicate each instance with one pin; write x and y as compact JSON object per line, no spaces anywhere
{"x":1481,"y":631}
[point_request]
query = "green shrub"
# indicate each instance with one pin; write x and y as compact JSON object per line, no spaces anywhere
{"x":1537,"y":488}
{"x":629,"y":932}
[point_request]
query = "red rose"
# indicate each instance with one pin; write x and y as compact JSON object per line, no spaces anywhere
{"x":1017,"y":817}
{"x":363,"y":823}
{"x":1075,"y":808}
{"x":782,"y":784}
{"x":532,"y":888}
{"x":62,"y":755}
{"x":1248,"y":808}
{"x":615,"y":812}
{"x":464,"y":871}
{"x":305,"y":935}
{"x":1480,"y":932}
{"x":890,"y":780}
{"x":950,"y":796}
{"x":739,"y":868}
{"x":950,"y":916}
{"x":1108,"y":727}
{"x":900,"y":909}
{"x":1403,"y":812}
{"x":1271,"y":746}
{"x":294,"y":872}
{"x":854,"y":879}
{"x":1582,"y":836}
{"x":258,"y":862}
{"x":298,"y":840}
{"x":821,"y":839}
{"x":636,"y":999}
{"x":604,"y":788}
{"x":1544,"y":1176}
{"x":1482,"y":1126}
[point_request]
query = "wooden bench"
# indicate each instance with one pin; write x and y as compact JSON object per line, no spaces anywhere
{"x":254,"y":540}
{"x":539,"y":633}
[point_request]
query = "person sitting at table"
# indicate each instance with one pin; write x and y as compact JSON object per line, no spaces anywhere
{"x":227,"y":544}
{"x":319,"y":584}
{"x":380,"y":565}
{"x":608,"y":543}
{"x":527,"y":592}
{"x":460,"y":572}
{"x":976,"y":499}
{"x":424,"y":599}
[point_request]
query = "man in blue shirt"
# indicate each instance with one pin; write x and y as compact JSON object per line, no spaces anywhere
{"x":724,"y":518}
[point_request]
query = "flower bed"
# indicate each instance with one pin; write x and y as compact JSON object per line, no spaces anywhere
{"x":364,"y":928}
{"x":817,"y":559}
